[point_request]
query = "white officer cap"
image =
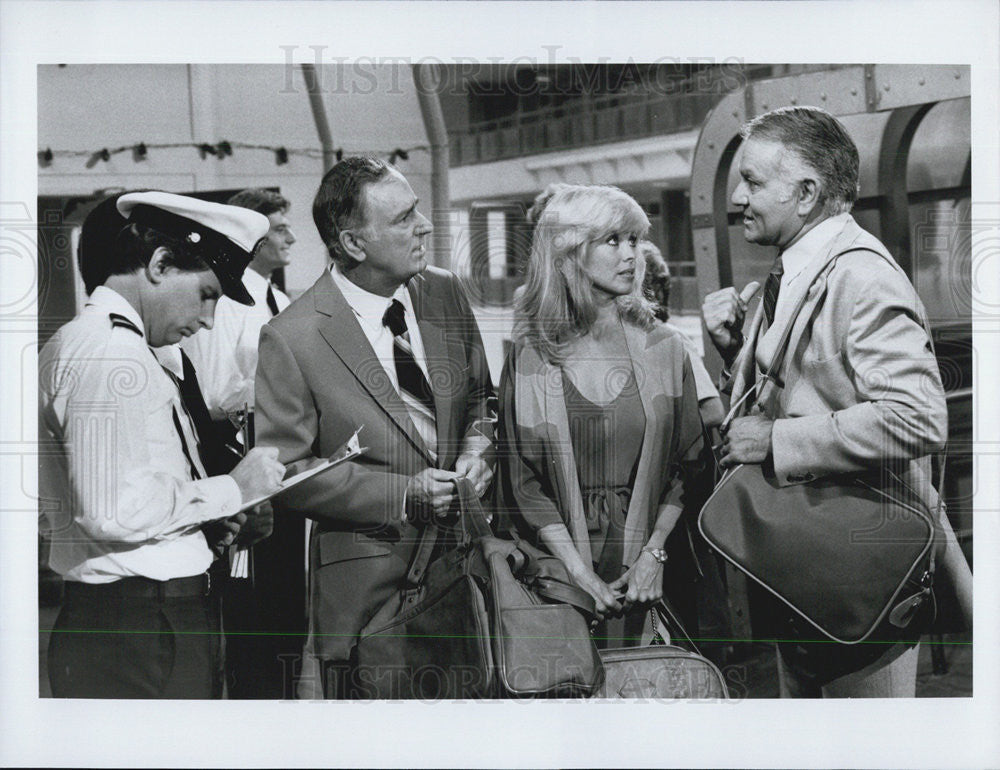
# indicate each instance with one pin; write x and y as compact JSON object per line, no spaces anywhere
{"x":226,"y":237}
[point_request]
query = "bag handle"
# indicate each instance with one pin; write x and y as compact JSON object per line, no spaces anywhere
{"x":422,"y":555}
{"x":670,"y":618}
{"x":471,"y":514}
{"x":556,"y":591}
{"x":473,"y":522}
{"x":526,"y":567}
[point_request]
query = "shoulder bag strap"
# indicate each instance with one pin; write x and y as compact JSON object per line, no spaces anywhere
{"x":558,"y":592}
{"x":782,"y":349}
{"x":473,"y":525}
{"x":471,"y":516}
{"x":422,"y":555}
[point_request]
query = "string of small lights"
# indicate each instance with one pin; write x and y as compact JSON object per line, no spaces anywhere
{"x":219,"y":150}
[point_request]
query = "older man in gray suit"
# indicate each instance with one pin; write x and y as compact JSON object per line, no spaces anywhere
{"x":860,"y":385}
{"x":383,"y":341}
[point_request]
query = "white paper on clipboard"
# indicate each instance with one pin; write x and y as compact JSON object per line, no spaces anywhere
{"x":347,"y":451}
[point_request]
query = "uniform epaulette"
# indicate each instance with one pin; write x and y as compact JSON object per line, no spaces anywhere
{"x":121,"y":322}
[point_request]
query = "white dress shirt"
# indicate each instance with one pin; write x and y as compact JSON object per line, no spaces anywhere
{"x":795,"y":259}
{"x":369,"y":309}
{"x":810,"y":246}
{"x":116,"y":487}
{"x":225,"y":356}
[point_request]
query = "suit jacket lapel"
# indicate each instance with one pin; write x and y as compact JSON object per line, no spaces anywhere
{"x":343,"y":334}
{"x":812,"y":283}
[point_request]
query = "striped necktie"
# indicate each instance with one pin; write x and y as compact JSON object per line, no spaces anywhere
{"x":414,"y":389}
{"x":771,"y":288}
{"x":411,"y":378}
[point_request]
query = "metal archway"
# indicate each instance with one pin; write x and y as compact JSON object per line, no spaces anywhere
{"x":908,"y":90}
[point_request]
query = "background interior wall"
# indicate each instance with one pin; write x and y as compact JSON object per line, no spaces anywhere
{"x":92,"y":106}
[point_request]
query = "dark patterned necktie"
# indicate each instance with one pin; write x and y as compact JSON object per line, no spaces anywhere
{"x":184,"y":387}
{"x":217,"y":457}
{"x":272,"y":303}
{"x":411,"y":379}
{"x":771,"y":288}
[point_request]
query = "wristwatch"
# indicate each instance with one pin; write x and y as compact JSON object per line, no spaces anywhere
{"x":657,"y":553}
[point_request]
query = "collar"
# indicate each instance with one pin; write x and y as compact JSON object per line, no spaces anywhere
{"x":169,"y":357}
{"x":367,"y":306}
{"x":105,"y":300}
{"x":810,"y":246}
{"x":255,"y":283}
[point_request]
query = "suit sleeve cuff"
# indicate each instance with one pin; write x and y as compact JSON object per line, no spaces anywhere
{"x":793,"y":460}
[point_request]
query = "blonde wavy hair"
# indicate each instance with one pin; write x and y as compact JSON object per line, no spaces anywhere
{"x":556,"y":304}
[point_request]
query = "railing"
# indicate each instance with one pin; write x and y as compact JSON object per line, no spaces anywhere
{"x":583,"y":123}
{"x":580,"y":124}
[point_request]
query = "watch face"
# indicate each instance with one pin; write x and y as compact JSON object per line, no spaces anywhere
{"x":657,"y":553}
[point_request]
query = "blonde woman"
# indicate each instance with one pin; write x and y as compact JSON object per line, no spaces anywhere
{"x":598,"y":408}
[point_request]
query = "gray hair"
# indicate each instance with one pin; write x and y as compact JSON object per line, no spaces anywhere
{"x":822,"y":142}
{"x":339,"y":202}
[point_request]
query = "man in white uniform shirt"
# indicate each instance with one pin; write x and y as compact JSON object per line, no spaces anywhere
{"x":124,"y":491}
{"x":264,"y":613}
{"x":225,"y":356}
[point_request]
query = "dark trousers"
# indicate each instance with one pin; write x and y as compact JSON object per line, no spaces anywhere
{"x":142,"y":641}
{"x":265,"y":619}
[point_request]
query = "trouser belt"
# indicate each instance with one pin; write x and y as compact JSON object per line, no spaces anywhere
{"x":143,"y":588}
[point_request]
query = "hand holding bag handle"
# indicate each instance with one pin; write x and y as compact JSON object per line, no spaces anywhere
{"x":523,"y":565}
{"x":473,"y":525}
{"x":952,"y":559}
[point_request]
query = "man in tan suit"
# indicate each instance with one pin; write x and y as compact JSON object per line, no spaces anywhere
{"x":860,"y":384}
{"x":382,"y":341}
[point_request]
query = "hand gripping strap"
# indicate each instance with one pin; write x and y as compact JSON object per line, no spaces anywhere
{"x":557,"y":592}
{"x":473,"y":525}
{"x":471,"y":517}
{"x":782,"y":348}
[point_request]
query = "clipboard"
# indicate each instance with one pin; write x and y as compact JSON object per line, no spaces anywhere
{"x":349,"y":450}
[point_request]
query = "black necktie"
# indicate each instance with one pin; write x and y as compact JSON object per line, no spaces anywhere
{"x":411,"y":378}
{"x":184,"y":390}
{"x":272,"y":303}
{"x":216,"y":456}
{"x":771,"y":288}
